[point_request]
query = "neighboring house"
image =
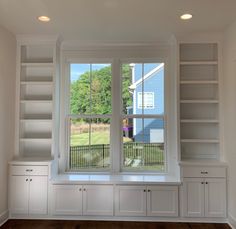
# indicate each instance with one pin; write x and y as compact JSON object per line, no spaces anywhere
{"x":148,"y":98}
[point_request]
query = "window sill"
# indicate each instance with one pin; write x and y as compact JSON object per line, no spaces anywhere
{"x":116,"y":179}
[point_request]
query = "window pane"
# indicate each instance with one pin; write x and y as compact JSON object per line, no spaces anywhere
{"x":143,"y":144}
{"x":153,"y":88}
{"x":143,"y":88}
{"x":90,"y":89}
{"x":89,"y":144}
{"x":127,"y":94}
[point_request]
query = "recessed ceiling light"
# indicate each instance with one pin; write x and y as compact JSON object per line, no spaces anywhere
{"x":186,"y":16}
{"x":44,"y":18}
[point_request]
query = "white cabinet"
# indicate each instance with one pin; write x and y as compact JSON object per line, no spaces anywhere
{"x":146,"y":200}
{"x":204,"y":194}
{"x":130,"y":200}
{"x":97,"y":200}
{"x":82,"y":200}
{"x":67,"y":200}
{"x":162,"y":201}
{"x":28,"y":194}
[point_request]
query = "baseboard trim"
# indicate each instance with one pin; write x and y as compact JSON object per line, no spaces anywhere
{"x":232,"y":221}
{"x":4,"y":217}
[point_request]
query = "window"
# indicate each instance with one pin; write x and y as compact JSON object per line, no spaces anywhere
{"x":143,"y":127}
{"x":146,"y":100}
{"x":90,"y":115}
{"x":115,"y":115}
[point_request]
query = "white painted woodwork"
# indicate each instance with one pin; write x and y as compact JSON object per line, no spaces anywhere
{"x":38,"y":195}
{"x":36,"y":87}
{"x":98,"y":200}
{"x":193,"y":197}
{"x":19,"y":189}
{"x":67,"y":200}
{"x":203,"y":171}
{"x":29,"y":195}
{"x":199,"y":100}
{"x":162,"y":201}
{"x":215,"y":197}
{"x":29,"y":170}
{"x":130,"y":201}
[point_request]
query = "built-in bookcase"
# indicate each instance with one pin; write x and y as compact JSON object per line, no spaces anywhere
{"x":36,"y":73}
{"x":199,"y":101}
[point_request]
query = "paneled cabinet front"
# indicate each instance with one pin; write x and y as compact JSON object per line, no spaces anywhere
{"x":29,"y":195}
{"x":82,"y":199}
{"x":146,"y":200}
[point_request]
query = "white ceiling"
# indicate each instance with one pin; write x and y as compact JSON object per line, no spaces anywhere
{"x":116,"y":20}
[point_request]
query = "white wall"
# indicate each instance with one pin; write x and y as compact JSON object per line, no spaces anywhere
{"x":7,"y":107}
{"x":229,"y":112}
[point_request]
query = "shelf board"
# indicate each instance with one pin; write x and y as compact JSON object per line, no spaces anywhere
{"x":36,"y":83}
{"x":198,"y":62}
{"x":36,"y":120}
{"x":199,"y":101}
{"x":29,"y":64}
{"x":198,"y":82}
{"x":199,"y":140}
{"x":199,"y":121}
{"x":36,"y":101}
{"x":35,"y":139}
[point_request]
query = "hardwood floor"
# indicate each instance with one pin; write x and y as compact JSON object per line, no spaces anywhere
{"x":62,"y":224}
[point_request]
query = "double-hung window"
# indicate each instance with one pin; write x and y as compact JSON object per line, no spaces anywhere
{"x":115,"y":116}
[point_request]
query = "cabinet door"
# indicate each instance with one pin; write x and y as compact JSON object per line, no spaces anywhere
{"x":162,"y":201}
{"x":19,"y":187}
{"x":215,"y":197}
{"x":67,"y":200}
{"x":98,"y":200}
{"x":130,"y":200}
{"x":193,"y":197}
{"x":38,"y":194}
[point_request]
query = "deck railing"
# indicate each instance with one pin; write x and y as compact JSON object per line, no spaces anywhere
{"x":98,"y":156}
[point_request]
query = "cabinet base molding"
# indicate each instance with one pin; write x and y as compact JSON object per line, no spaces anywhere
{"x":232,"y":221}
{"x":4,"y":217}
{"x":125,"y":218}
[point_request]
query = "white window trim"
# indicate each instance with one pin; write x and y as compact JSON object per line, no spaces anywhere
{"x":116,"y":56}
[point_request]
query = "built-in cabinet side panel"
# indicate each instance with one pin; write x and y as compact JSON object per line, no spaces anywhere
{"x":130,"y":200}
{"x":215,"y":197}
{"x":67,"y":200}
{"x":38,"y":195}
{"x":193,"y":197}
{"x":98,"y":200}
{"x":19,"y":188}
{"x":162,"y":201}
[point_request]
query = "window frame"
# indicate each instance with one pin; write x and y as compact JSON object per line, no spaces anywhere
{"x":116,"y":56}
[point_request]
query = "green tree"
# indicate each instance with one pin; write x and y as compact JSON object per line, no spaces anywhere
{"x":91,"y":93}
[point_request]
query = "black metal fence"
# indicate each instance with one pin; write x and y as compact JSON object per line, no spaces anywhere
{"x":135,"y":155}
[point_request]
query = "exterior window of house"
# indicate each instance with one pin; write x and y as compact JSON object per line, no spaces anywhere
{"x":143,"y":117}
{"x":146,"y":100}
{"x":89,"y":116}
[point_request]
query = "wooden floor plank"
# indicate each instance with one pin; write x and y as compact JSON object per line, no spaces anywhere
{"x":70,"y":224}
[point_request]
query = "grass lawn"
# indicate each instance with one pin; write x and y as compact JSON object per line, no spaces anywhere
{"x":102,"y":137}
{"x":99,"y":137}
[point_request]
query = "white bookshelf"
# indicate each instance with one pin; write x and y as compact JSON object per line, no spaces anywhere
{"x":37,"y":63}
{"x":199,"y":101}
